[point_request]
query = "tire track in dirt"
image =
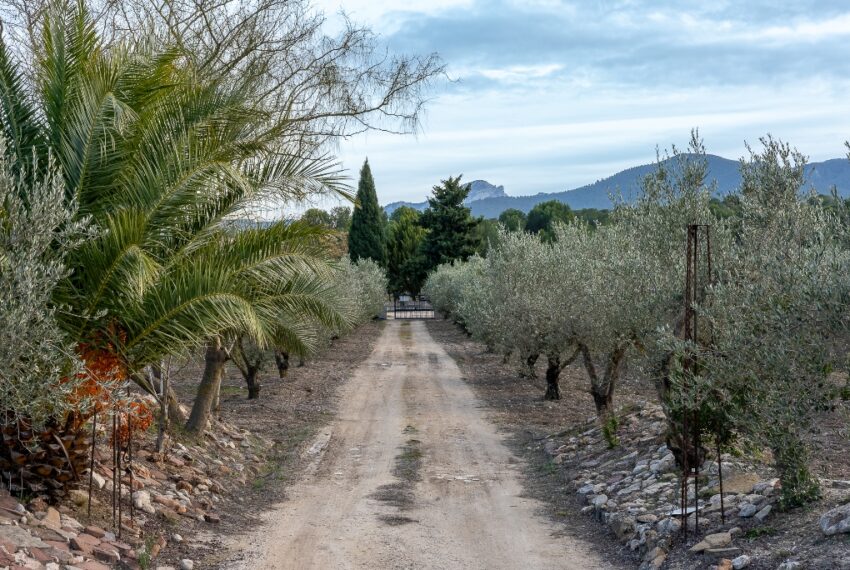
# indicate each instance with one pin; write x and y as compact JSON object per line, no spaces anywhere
{"x":412,"y":477}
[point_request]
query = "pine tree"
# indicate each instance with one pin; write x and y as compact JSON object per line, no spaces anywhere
{"x":367,"y":236}
{"x":450,"y":225}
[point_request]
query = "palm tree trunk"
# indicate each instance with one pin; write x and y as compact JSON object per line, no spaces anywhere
{"x":214,"y":360}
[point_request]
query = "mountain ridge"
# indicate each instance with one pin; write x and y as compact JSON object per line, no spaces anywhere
{"x":821,"y":176}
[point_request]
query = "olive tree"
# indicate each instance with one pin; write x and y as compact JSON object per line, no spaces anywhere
{"x":34,"y":352}
{"x":773,"y":313}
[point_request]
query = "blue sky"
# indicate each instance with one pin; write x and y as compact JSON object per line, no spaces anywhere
{"x":550,"y":95}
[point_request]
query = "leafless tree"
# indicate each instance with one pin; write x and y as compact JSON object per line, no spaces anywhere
{"x":319,"y":87}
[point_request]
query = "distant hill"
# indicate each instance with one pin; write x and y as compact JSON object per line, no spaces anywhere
{"x":822,"y":176}
{"x":479,"y":190}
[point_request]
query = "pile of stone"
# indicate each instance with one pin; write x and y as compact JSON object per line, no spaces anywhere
{"x":634,"y":489}
{"x":182,"y":486}
{"x":54,"y":540}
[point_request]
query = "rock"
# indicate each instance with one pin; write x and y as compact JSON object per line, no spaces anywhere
{"x":726,"y":552}
{"x":790,"y":565}
{"x":665,"y":464}
{"x":654,"y":559}
{"x":187,"y":564}
{"x":762,"y":514}
{"x":741,"y":562}
{"x":106,"y":554}
{"x":93,"y":565}
{"x":169,"y":515}
{"x":647,"y":518}
{"x":746,"y":510}
{"x":623,"y":526}
{"x":724,"y":564}
{"x":836,"y":521}
{"x":52,"y":519}
{"x":599,"y":500}
{"x":717,"y":540}
{"x":99,"y":480}
{"x":838,"y":484}
{"x":170,"y":503}
{"x":142,"y":500}
{"x":80,"y":497}
{"x":95,"y":531}
{"x":176,"y":538}
{"x":740,"y":483}
{"x":668,"y":526}
{"x":20,"y":537}
{"x":85,"y":543}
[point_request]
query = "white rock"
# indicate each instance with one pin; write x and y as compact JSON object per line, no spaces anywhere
{"x":836,"y":521}
{"x":98,"y":480}
{"x":142,"y":500}
{"x":741,"y":562}
{"x":187,"y":564}
{"x":599,"y":500}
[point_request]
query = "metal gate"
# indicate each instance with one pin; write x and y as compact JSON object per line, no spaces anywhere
{"x":410,"y":308}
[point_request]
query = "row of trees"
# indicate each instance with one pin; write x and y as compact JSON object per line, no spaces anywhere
{"x":133,"y":134}
{"x":771,"y":307}
{"x":410,"y":243}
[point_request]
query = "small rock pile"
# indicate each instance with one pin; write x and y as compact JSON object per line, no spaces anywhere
{"x":54,"y":540}
{"x":181,"y":486}
{"x":634,"y":489}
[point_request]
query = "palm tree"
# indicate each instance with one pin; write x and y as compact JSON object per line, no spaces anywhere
{"x":160,"y":158}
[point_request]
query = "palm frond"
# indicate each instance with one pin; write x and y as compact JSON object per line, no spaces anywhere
{"x":20,"y":124}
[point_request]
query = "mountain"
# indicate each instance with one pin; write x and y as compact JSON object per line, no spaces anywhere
{"x":492,"y":200}
{"x":478,"y":190}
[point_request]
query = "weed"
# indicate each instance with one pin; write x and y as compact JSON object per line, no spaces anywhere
{"x":145,"y":554}
{"x":759,"y":531}
{"x":609,"y":431}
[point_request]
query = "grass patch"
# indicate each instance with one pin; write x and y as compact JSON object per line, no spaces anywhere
{"x":759,"y":531}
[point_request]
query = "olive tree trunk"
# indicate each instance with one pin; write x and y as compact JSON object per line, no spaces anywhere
{"x":253,"y":382}
{"x":281,"y":359}
{"x":602,"y":387}
{"x":555,"y":364}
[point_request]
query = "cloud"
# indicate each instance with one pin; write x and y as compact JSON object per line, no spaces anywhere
{"x":555,"y":94}
{"x":519,"y":73}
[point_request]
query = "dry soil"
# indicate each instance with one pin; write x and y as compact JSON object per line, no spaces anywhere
{"x":409,"y":474}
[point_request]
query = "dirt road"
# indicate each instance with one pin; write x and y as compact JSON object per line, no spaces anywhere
{"x":409,"y":475}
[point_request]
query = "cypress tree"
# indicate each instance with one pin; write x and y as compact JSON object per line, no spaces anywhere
{"x":367,"y":236}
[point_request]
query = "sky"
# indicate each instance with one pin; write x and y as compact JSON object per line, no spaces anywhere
{"x":549,"y":95}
